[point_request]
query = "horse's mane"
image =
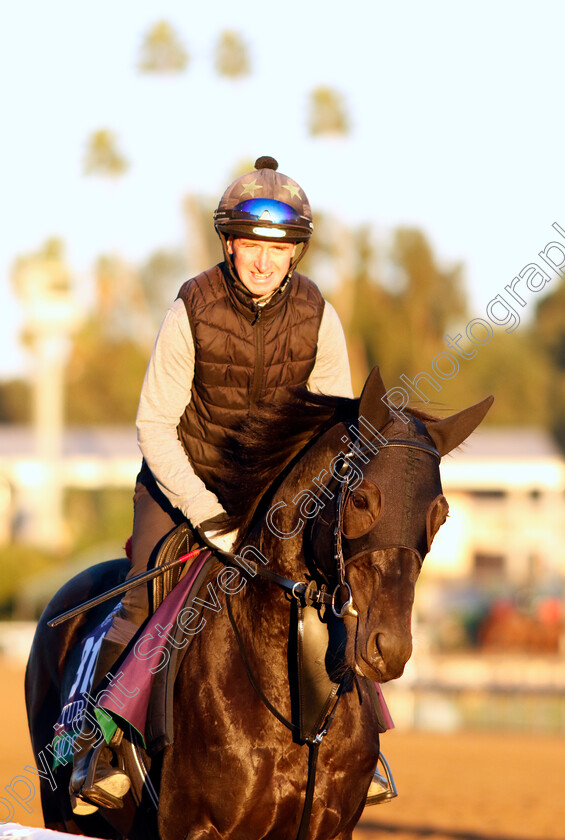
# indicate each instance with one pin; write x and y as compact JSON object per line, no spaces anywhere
{"x":265,"y":444}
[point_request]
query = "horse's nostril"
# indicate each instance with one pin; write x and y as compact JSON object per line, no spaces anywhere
{"x":377,"y":648}
{"x":380,"y":645}
{"x":392,"y":650}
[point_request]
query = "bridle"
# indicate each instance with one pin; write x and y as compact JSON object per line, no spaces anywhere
{"x":343,"y":478}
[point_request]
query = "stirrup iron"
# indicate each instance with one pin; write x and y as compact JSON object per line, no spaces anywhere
{"x":382,"y":788}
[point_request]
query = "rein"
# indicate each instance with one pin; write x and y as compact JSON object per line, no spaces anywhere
{"x":280,"y":717}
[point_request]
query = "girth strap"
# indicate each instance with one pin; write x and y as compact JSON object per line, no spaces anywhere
{"x":313,"y":750}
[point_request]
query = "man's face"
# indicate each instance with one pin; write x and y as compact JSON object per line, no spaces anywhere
{"x":261,"y":265}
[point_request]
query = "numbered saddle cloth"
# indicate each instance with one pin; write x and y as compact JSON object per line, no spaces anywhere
{"x":141,"y":693}
{"x":69,"y":721}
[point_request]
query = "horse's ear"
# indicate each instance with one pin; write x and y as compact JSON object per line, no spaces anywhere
{"x":371,"y":405}
{"x":451,"y":431}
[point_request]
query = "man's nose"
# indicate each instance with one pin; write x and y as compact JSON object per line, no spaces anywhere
{"x":263,"y":261}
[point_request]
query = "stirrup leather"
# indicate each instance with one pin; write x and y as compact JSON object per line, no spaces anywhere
{"x":382,"y":788}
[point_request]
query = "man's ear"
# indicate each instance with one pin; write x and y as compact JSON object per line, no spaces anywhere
{"x":229,"y":244}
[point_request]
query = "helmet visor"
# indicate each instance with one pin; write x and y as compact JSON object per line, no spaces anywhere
{"x":265,"y":210}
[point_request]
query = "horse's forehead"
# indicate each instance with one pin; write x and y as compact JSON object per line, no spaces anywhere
{"x":399,"y":466}
{"x":393,"y":467}
{"x":396,"y":466}
{"x":414,"y":429}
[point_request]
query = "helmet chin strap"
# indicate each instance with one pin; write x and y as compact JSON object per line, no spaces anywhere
{"x":296,"y":260}
{"x":227,"y":255}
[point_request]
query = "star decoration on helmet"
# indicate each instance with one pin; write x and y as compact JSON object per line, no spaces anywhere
{"x":293,"y":189}
{"x":250,"y":188}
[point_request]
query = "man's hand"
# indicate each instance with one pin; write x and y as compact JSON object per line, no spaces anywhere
{"x":224,"y":542}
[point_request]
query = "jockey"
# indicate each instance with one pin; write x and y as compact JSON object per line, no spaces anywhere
{"x":242,"y":331}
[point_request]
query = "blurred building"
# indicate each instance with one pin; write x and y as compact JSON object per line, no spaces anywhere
{"x":44,"y":285}
{"x":506,"y":493}
{"x":505,"y":487}
{"x":89,"y":459}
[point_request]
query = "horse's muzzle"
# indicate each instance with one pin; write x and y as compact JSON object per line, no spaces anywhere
{"x":380,"y":638}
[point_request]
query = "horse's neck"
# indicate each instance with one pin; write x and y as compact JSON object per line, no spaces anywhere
{"x":281,"y":533}
{"x":278,"y":543}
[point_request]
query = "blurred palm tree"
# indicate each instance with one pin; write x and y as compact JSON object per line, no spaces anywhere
{"x":103,"y":156}
{"x":549,"y":335}
{"x":232,"y":59}
{"x":328,"y":112}
{"x":163,"y":51}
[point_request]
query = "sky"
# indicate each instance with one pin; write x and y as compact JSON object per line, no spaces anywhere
{"x":456,"y":109}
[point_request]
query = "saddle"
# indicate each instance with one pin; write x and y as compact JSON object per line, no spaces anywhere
{"x":180,"y":541}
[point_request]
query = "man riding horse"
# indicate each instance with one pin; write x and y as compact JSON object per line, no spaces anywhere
{"x":243,"y":331}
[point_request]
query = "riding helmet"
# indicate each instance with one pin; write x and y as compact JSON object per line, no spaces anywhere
{"x":264,"y":204}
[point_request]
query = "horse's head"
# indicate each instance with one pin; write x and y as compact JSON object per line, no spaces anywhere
{"x":372,"y":535}
{"x":359,"y":504}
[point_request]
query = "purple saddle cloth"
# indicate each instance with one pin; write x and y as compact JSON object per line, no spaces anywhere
{"x":141,"y":692}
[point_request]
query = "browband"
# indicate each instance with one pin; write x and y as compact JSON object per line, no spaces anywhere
{"x":414,"y":444}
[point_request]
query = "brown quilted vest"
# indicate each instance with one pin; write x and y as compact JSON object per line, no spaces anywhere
{"x":242,"y":355}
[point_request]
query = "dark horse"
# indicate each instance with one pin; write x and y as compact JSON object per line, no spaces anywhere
{"x":344,"y":493}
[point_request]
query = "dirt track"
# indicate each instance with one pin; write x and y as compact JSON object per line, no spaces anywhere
{"x":452,"y":787}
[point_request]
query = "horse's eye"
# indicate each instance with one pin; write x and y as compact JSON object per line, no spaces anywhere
{"x":361,"y":510}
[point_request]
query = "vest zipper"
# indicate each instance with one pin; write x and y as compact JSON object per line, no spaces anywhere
{"x":258,"y":375}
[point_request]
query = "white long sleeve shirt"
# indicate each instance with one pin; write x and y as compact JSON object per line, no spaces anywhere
{"x":166,"y":392}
